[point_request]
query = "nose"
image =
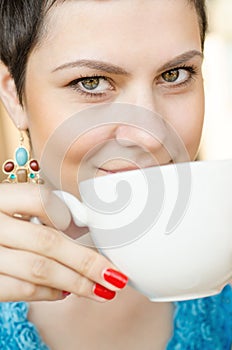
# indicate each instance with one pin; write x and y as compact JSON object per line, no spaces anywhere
{"x":130,"y":135}
{"x":142,"y":126}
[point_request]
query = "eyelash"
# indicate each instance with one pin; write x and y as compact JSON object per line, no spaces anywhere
{"x":191,"y":69}
{"x":74,"y":85}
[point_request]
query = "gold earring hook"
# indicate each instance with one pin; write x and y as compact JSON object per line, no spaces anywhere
{"x":21,"y":137}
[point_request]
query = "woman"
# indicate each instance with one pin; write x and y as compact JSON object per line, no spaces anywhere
{"x":58,"y":59}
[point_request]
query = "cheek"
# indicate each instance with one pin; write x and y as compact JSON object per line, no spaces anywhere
{"x":78,"y":163}
{"x":43,"y":120}
{"x":46,"y":110}
{"x":192,"y":131}
{"x":49,"y":122}
{"x":67,"y":158}
{"x":187,"y":116}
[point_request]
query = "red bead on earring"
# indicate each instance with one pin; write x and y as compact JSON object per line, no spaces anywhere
{"x":22,"y":168}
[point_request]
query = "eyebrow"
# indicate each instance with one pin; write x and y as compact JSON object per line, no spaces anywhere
{"x":178,"y":60}
{"x":113,"y":69}
{"x":93,"y":64}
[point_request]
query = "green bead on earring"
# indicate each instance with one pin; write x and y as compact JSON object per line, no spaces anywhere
{"x":22,"y":168}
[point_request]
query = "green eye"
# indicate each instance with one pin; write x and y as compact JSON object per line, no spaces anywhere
{"x":90,"y":83}
{"x":171,"y":76}
{"x":92,"y":86}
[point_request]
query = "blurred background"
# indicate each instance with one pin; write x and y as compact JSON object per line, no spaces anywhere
{"x":217,"y":134}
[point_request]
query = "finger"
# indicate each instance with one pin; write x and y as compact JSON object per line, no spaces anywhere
{"x":37,"y":270}
{"x":35,"y":201}
{"x":53,"y":244}
{"x":13,"y":289}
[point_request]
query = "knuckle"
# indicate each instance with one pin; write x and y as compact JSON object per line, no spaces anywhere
{"x":54,"y":294}
{"x":45,"y":199}
{"x":46,"y":239}
{"x":35,"y":194}
{"x":40,"y":195}
{"x":28,"y":290}
{"x":89,"y":261}
{"x":40,"y":268}
{"x":81,"y":285}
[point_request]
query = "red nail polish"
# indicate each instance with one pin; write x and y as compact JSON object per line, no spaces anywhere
{"x":116,"y":278}
{"x":103,"y":292}
{"x":65,"y":293}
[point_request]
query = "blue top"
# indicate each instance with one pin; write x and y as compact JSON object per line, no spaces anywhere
{"x":201,"y":324}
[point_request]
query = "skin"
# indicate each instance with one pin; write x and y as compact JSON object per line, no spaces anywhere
{"x":142,"y":85}
{"x":140,"y":52}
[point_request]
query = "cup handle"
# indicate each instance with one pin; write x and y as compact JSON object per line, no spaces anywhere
{"x":77,"y":209}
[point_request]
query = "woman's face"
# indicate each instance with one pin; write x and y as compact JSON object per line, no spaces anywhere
{"x":137,"y":53}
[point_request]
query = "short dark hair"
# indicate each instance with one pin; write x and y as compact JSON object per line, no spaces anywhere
{"x":21,"y":23}
{"x":200,"y":6}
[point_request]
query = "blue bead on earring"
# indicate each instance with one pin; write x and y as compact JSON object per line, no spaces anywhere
{"x":22,"y":168}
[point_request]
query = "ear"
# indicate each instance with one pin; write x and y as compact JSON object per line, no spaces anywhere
{"x":9,"y":97}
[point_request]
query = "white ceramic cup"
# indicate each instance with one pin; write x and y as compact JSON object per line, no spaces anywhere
{"x":169,"y":228}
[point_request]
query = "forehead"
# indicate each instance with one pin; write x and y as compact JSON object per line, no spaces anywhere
{"x":97,"y":14}
{"x":131,"y":27}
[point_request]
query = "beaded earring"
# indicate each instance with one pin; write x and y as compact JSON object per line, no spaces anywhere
{"x":22,"y":168}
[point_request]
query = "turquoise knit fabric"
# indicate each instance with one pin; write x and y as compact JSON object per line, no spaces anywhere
{"x":200,"y":324}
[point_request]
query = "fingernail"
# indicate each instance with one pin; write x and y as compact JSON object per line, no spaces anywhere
{"x":103,"y":292}
{"x":116,"y":278}
{"x":65,"y":293}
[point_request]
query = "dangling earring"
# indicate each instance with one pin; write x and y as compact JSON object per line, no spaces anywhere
{"x":22,"y":168}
